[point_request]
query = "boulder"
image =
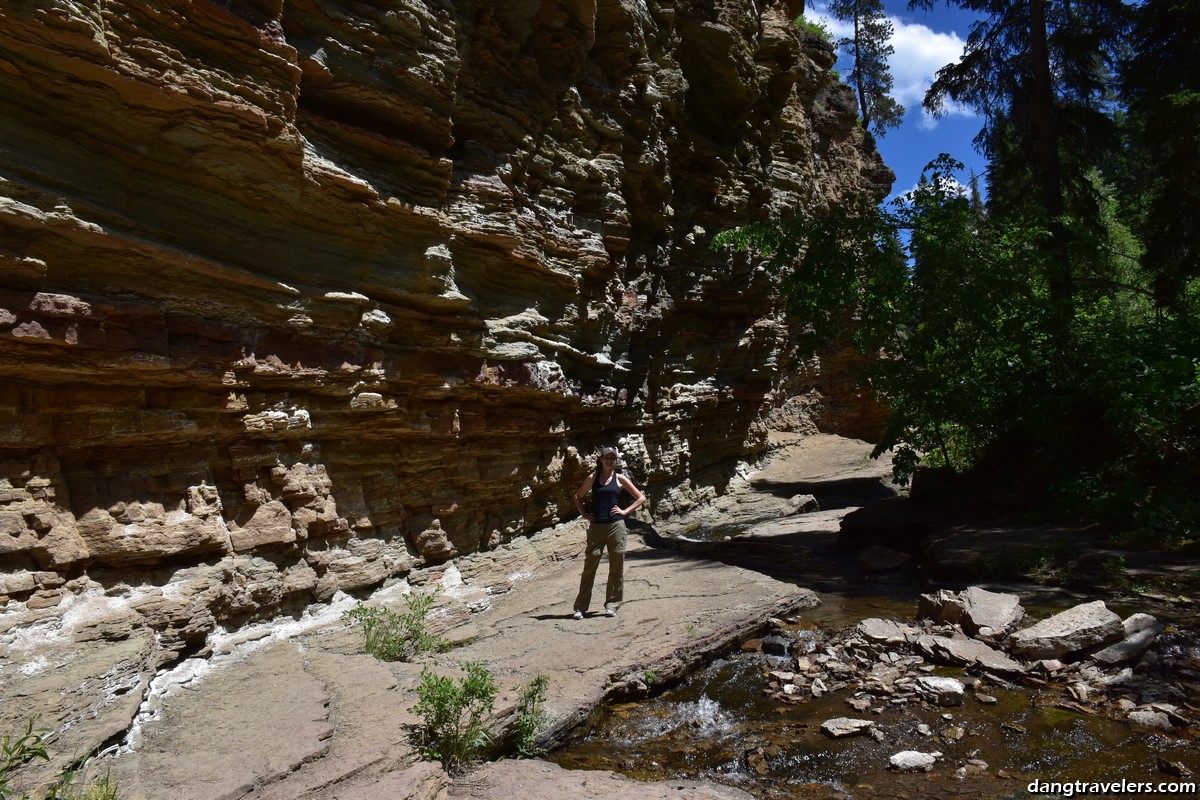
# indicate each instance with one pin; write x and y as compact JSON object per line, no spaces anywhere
{"x":940,"y":606}
{"x":979,"y":611}
{"x":802,"y":504}
{"x":1140,"y":631}
{"x":1073,"y":631}
{"x":989,"y":614}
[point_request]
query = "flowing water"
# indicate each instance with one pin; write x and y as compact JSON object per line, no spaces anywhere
{"x":720,"y":724}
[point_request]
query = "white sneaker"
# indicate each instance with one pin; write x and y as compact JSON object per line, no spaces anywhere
{"x":610,"y":612}
{"x":578,"y":615}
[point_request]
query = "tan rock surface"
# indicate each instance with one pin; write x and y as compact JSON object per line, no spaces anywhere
{"x":298,"y":717}
{"x":310,"y":295}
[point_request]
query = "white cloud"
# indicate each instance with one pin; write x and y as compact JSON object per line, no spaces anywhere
{"x":920,"y":53}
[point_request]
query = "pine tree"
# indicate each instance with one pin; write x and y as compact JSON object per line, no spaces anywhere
{"x":1161,"y":84}
{"x":1039,"y":71}
{"x":870,"y":75}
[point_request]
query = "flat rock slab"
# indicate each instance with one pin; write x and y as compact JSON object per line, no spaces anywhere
{"x":289,"y":718}
{"x":962,"y":651}
{"x":244,"y":725}
{"x":1079,"y":628}
{"x":508,"y":780}
{"x":886,"y":631}
{"x":59,"y":669}
{"x":840,"y":727}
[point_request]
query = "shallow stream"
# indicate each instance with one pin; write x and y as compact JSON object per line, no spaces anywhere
{"x":721,"y":724}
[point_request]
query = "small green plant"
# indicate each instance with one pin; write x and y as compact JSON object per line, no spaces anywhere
{"x":1115,"y":576}
{"x":455,"y":712}
{"x":18,"y":750}
{"x":650,"y":678}
{"x":397,"y":637}
{"x":104,"y":788}
{"x":531,"y":719}
{"x":691,"y":631}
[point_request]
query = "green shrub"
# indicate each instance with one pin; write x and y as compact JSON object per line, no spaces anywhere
{"x":397,"y":637}
{"x":815,"y":28}
{"x":531,"y":719}
{"x":455,"y":716}
{"x":17,"y":751}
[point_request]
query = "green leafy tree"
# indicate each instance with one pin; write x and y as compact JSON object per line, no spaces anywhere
{"x":869,"y":49}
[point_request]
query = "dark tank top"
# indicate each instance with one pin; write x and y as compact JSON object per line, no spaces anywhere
{"x":604,"y":498}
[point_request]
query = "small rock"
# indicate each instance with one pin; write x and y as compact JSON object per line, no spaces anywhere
{"x":859,"y":703}
{"x":1173,"y":768}
{"x":941,"y":691}
{"x":986,"y":699}
{"x":913,"y":761}
{"x":1150,"y":719}
{"x":840,"y":727}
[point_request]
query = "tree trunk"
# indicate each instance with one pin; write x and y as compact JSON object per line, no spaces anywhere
{"x":1045,"y":130}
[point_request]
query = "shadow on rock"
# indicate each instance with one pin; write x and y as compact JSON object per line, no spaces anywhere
{"x":841,"y":493}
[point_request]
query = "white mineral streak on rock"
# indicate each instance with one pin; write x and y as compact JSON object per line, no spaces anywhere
{"x":230,"y":648}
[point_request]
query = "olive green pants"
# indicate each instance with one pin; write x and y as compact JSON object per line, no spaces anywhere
{"x":599,"y":536}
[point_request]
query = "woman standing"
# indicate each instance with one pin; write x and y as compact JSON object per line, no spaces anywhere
{"x":607,"y":529}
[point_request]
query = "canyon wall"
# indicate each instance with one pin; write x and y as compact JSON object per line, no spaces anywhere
{"x":298,"y":295}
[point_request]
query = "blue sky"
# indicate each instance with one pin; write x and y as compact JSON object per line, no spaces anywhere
{"x":924,"y":42}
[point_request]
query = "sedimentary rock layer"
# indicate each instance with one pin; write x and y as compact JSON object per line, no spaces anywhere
{"x":297,"y":296}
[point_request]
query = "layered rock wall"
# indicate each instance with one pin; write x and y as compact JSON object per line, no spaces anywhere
{"x":297,"y":296}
